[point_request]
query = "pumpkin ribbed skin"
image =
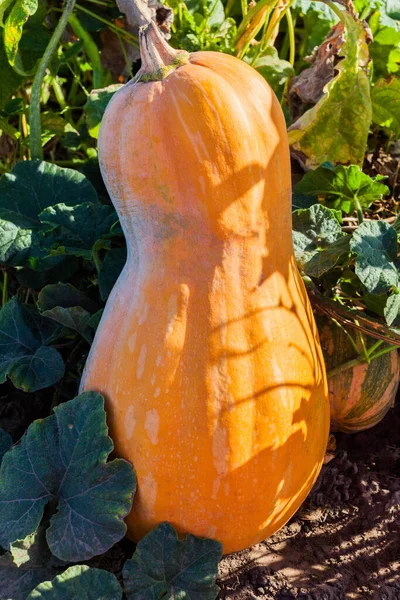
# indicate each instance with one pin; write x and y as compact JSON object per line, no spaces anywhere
{"x":360,"y":396}
{"x":207,"y":352}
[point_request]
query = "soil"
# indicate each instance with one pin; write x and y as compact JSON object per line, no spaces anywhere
{"x":344,"y":542}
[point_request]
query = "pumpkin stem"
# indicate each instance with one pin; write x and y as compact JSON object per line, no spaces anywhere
{"x":159,"y":59}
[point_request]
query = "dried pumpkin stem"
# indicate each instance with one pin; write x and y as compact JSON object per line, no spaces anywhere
{"x":159,"y":59}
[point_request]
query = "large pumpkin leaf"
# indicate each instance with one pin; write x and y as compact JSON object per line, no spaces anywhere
{"x":332,"y":130}
{"x":63,"y":458}
{"x":15,"y":235}
{"x":375,"y":246}
{"x":5,"y":443}
{"x":34,"y":185}
{"x":318,"y":239}
{"x":24,"y":353}
{"x":344,"y":188}
{"x":385,"y":96}
{"x":77,"y":228}
{"x":165,"y":567}
{"x":79,"y":581}
{"x":28,"y":563}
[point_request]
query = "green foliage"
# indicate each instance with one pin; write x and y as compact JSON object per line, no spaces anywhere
{"x":110,"y":270}
{"x":5,"y":443}
{"x":385,"y":96}
{"x":318,"y":240}
{"x":375,"y":245}
{"x":332,"y":130}
{"x":165,"y":567}
{"x":96,"y":105}
{"x":80,"y":582}
{"x":63,"y":458}
{"x":343,"y":188}
{"x":25,"y":355}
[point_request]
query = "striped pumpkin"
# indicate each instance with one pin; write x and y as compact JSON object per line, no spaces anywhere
{"x":362,"y":395}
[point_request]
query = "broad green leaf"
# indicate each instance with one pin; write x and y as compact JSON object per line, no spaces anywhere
{"x":165,"y":567}
{"x":332,"y":130}
{"x":392,"y":311}
{"x":34,"y":185}
{"x":274,"y":70}
{"x":10,"y":80}
{"x":212,"y":10}
{"x":63,"y":458}
{"x":316,"y":229}
{"x":28,"y":563}
{"x":95,"y":106}
{"x":75,"y":318}
{"x":24,"y":355}
{"x":318,"y":19}
{"x":110,"y":270}
{"x":94,"y":320}
{"x":80,"y":582}
{"x":15,"y":235}
{"x":385,"y":50}
{"x":375,"y":246}
{"x":343,"y":187}
{"x":5,"y":443}
{"x":47,"y":270}
{"x":66,"y":295}
{"x":14,"y":24}
{"x":302,"y":201}
{"x":393,"y":9}
{"x":77,"y":228}
{"x":385,"y":96}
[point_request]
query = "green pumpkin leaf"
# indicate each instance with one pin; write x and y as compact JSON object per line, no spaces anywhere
{"x":77,"y":228}
{"x":392,"y":311}
{"x":5,"y":443}
{"x":385,"y":50}
{"x":274,"y":70}
{"x":165,"y":567}
{"x":13,"y":27}
{"x":10,"y":80}
{"x":332,"y":130}
{"x":75,"y":318}
{"x":24,"y":353}
{"x":15,"y":235}
{"x":375,"y":246}
{"x":79,"y":581}
{"x":63,"y":458}
{"x":110,"y":270}
{"x":385,"y":96}
{"x":318,"y":239}
{"x":66,"y":295}
{"x":28,"y":563}
{"x":96,"y":105}
{"x":34,"y":185}
{"x":343,"y":187}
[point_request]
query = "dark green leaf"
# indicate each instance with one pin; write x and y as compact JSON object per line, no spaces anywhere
{"x":316,"y":229}
{"x":385,"y":96}
{"x":165,"y":567}
{"x":24,"y":355}
{"x":79,"y":582}
{"x":321,"y":262}
{"x":392,"y":311}
{"x":47,"y":270}
{"x":375,"y":244}
{"x":77,"y":228}
{"x":15,"y":235}
{"x":28,"y":563}
{"x":332,"y":130}
{"x":343,"y":187}
{"x":66,"y":295}
{"x":274,"y":70}
{"x":385,"y":51}
{"x":75,"y":318}
{"x":95,"y":319}
{"x":96,"y":105}
{"x":110,"y":270}
{"x":34,"y":185}
{"x":5,"y":443}
{"x":63,"y":457}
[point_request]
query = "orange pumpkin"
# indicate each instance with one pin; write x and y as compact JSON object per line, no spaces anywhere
{"x":207,"y":352}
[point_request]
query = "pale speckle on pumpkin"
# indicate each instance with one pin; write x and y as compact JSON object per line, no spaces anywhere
{"x":130,"y":422}
{"x":132,"y":341}
{"x":152,"y":425}
{"x":141,"y":361}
